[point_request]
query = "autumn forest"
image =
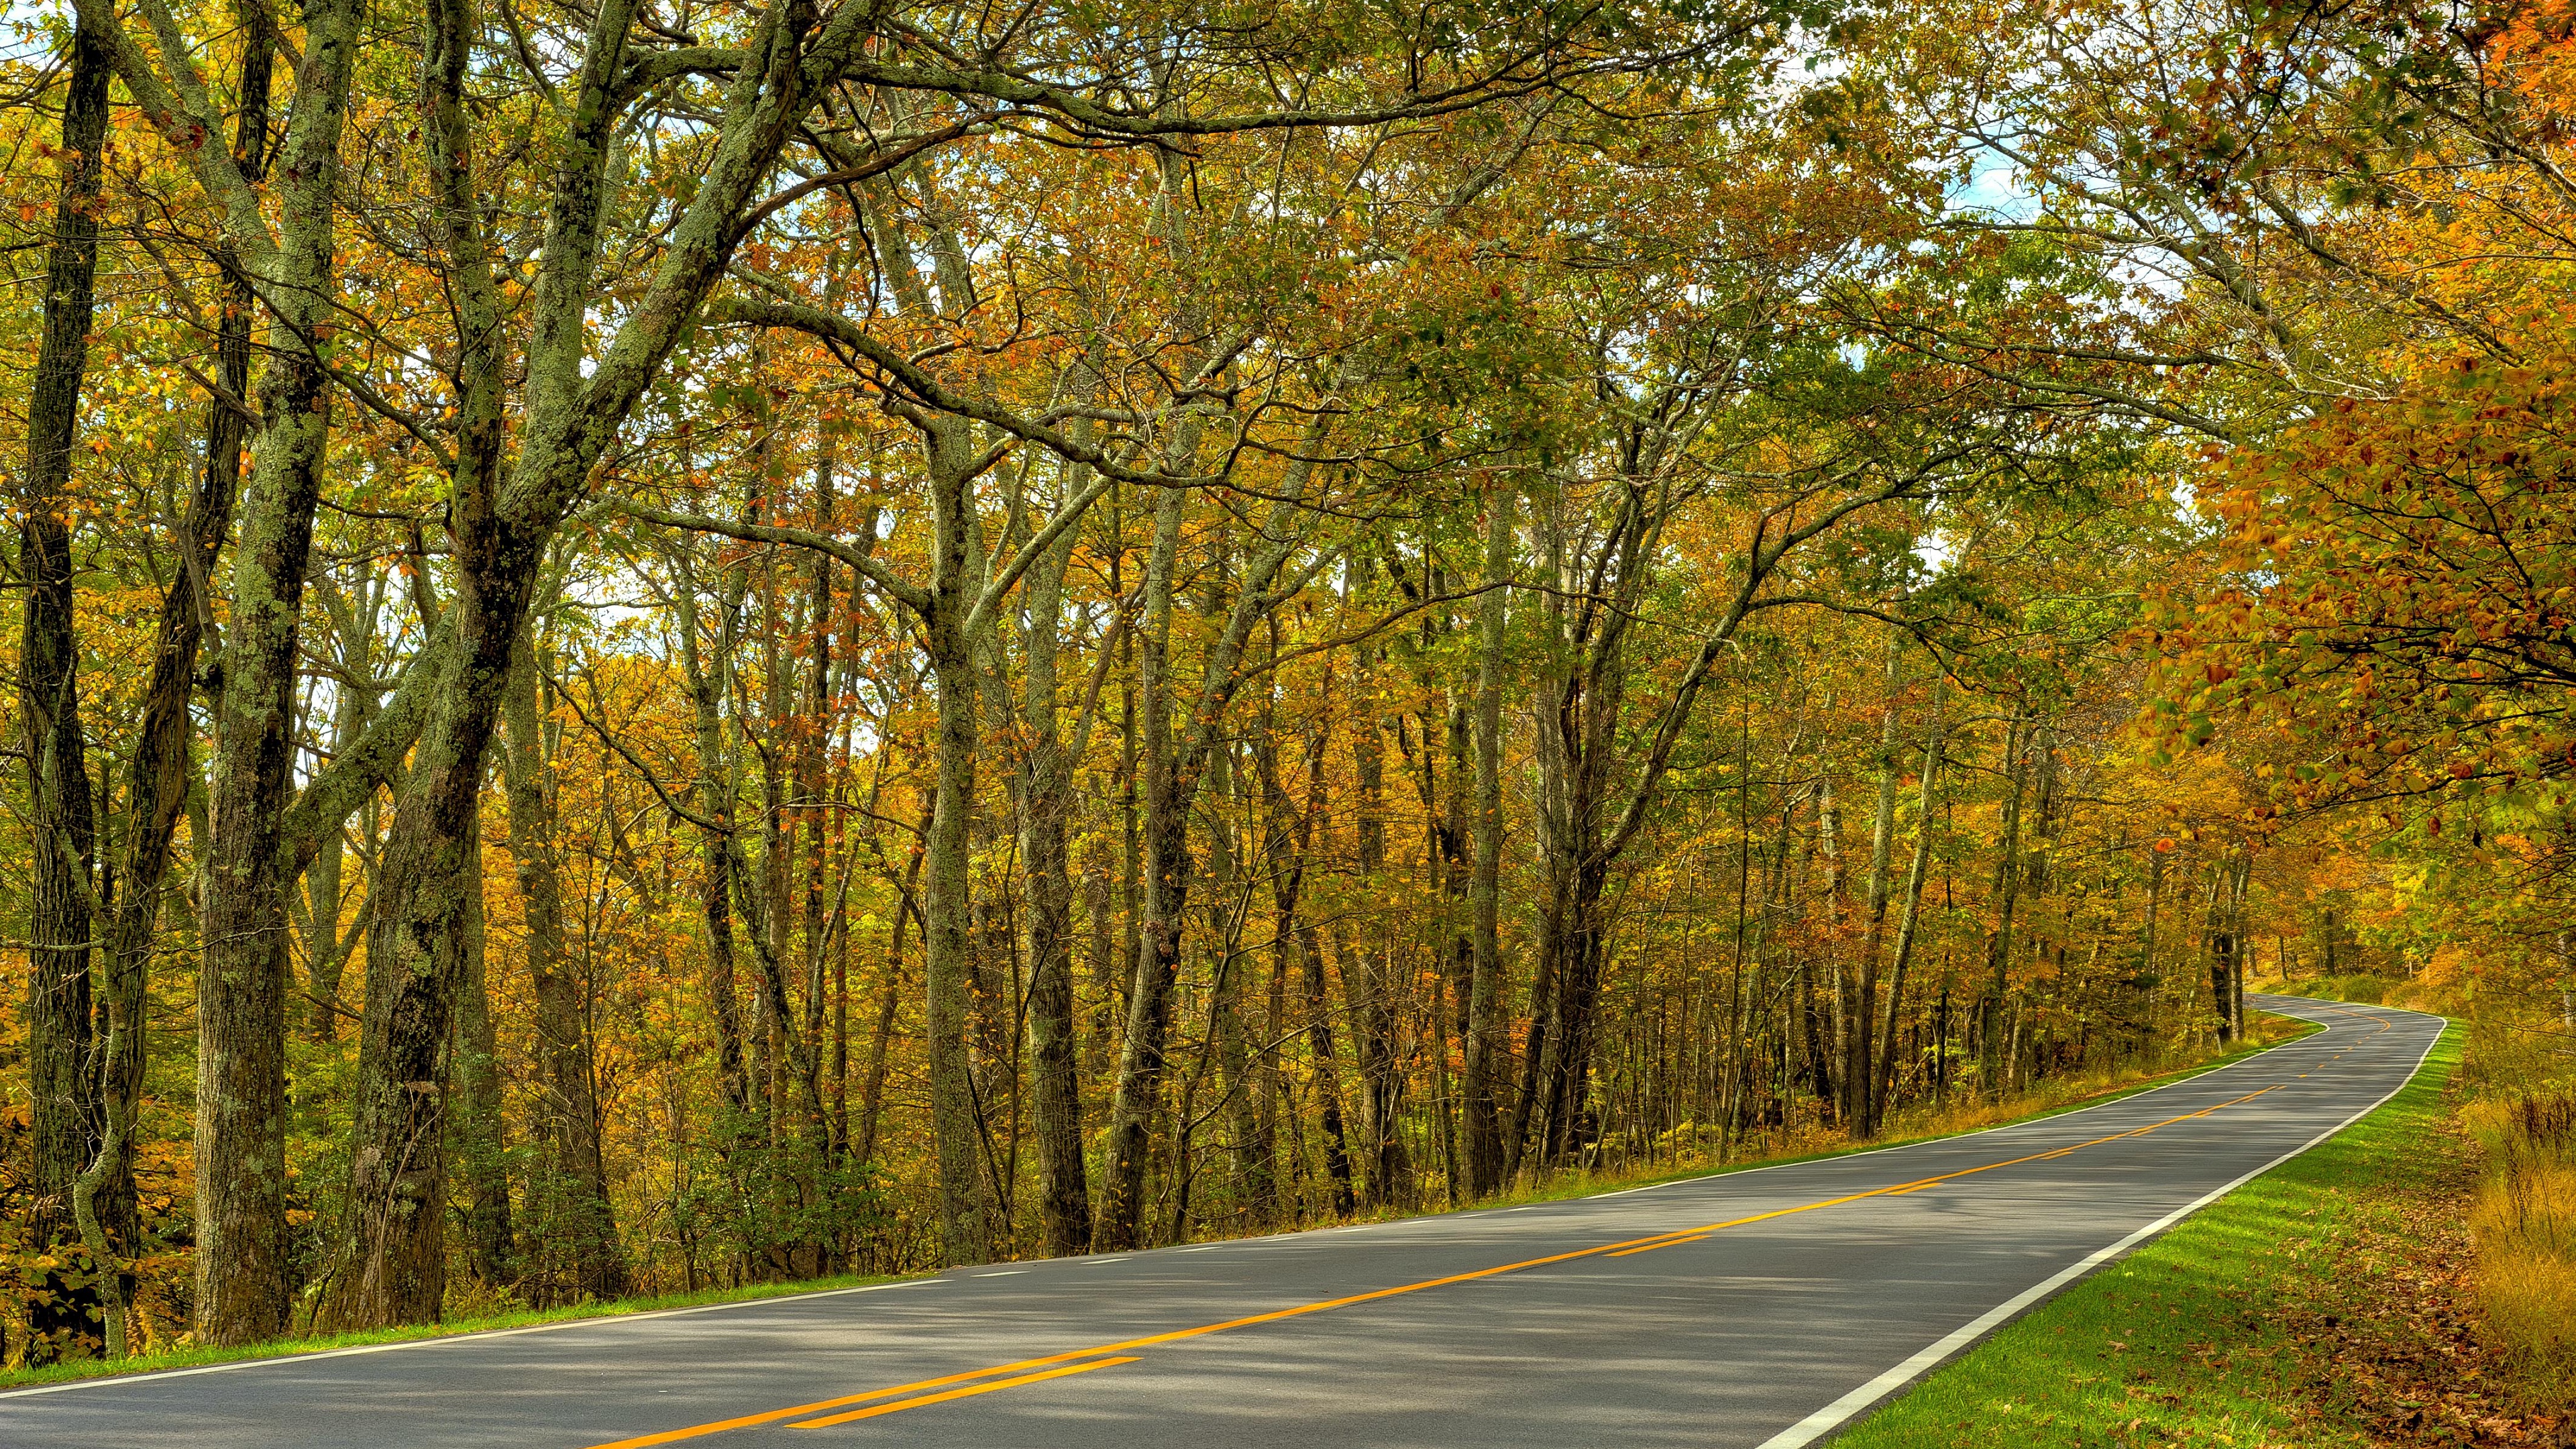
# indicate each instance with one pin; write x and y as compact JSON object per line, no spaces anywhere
{"x":656,"y":645}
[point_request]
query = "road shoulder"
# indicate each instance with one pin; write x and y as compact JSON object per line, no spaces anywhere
{"x":2312,"y":1307}
{"x":2054,"y":1098}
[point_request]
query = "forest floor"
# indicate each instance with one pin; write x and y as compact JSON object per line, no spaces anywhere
{"x":2325,"y":1305}
{"x":1926,"y":1123}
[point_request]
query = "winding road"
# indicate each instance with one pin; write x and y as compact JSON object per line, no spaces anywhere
{"x":1761,"y":1308}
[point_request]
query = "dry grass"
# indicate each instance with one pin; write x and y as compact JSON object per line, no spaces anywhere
{"x":2530,"y":1306}
{"x":2523,"y":1220}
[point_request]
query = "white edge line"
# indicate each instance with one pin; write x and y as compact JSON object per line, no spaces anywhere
{"x":603,"y":1320}
{"x":1781,"y":1442}
{"x":1834,"y":1415}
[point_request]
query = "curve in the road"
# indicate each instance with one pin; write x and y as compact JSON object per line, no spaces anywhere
{"x":1758,"y":1308}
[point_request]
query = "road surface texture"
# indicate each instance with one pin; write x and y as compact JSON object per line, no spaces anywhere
{"x":1763,"y":1308}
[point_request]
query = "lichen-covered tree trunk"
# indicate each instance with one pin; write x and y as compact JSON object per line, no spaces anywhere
{"x":428,"y":887}
{"x":480,"y":1138}
{"x":711,"y":800}
{"x":1175,"y":760}
{"x":1167,"y":868}
{"x":63,"y":1079}
{"x":1286,"y":834}
{"x":243,"y":1279}
{"x":1064,"y":1198}
{"x":965,"y":1225}
{"x":1578,"y":718}
{"x":501,"y":529}
{"x":428,"y":897}
{"x":1565,"y":1078}
{"x":160,"y":776}
{"x":1256,"y":1176}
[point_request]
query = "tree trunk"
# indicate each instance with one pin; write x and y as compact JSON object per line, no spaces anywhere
{"x":1860,"y":1106}
{"x":1487,"y":1051}
{"x":2008,"y":875}
{"x":500,"y":531}
{"x":2220,"y":945}
{"x":889,"y":1002}
{"x":480,"y":1136}
{"x":1566,"y":1078}
{"x":1371,"y":987}
{"x":1288,"y":835}
{"x":64,"y":1082}
{"x":1064,"y":1200}
{"x":161,"y":776}
{"x":580,"y":1229}
{"x":1828,"y":1027}
{"x":967,"y":1202}
{"x":242,"y":1274}
{"x":2152,"y":984}
{"x":1174,"y":761}
{"x":1166,"y":870}
{"x":1906,"y":931}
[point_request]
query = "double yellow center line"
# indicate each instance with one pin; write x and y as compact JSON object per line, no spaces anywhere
{"x":1693,"y":1235}
{"x":925,"y":1392}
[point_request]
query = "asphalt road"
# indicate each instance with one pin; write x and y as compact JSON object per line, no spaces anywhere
{"x":1762,"y":1308}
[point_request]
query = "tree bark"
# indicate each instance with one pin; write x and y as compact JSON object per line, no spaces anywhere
{"x":64,"y":1081}
{"x":579,"y":1225}
{"x":1064,"y":1199}
{"x":1907,"y":928}
{"x":481,"y":1138}
{"x":1859,"y":1077}
{"x":711,"y":798}
{"x":1487,"y":1052}
{"x":1287,"y":833}
{"x":243,"y":1278}
{"x":1256,"y":1181}
{"x":501,"y":531}
{"x":1175,"y":760}
{"x":160,"y":777}
{"x":1371,"y":988}
{"x":2008,"y":876}
{"x":965,"y":1224}
{"x":1166,"y":868}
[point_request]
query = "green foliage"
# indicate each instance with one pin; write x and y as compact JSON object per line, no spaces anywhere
{"x":759,"y":1206}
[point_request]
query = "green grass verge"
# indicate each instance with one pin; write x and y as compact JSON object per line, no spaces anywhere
{"x":2202,"y":1336}
{"x":1561,"y":1188}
